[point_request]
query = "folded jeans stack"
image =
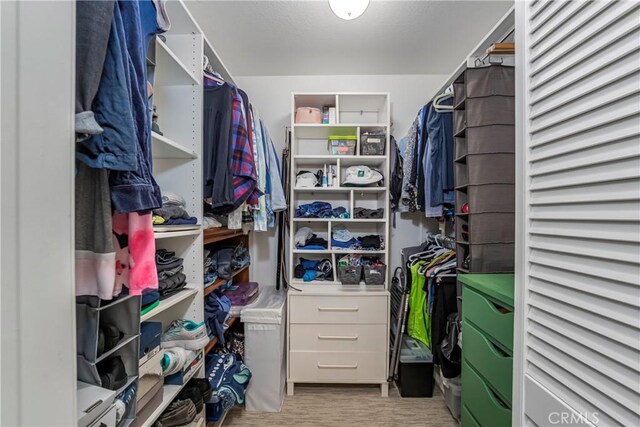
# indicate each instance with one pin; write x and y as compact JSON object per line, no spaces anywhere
{"x":173,"y":211}
{"x":171,"y":278}
{"x":222,"y":262}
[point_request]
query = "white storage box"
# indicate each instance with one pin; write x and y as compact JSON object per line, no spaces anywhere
{"x":453,"y":394}
{"x":264,"y":353}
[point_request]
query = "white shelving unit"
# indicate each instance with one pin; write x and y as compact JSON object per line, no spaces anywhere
{"x":177,"y":167}
{"x":321,"y":308}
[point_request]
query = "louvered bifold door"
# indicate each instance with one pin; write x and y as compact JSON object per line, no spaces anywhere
{"x":577,"y":361}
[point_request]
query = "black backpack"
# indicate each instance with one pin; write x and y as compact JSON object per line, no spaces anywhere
{"x":395,"y":184}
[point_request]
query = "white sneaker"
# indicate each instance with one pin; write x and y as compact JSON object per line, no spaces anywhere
{"x":174,"y":360}
{"x":186,"y":334}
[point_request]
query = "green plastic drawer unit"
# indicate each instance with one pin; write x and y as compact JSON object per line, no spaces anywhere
{"x":481,"y":402}
{"x":489,"y":316}
{"x":467,"y":420}
{"x":490,"y":362}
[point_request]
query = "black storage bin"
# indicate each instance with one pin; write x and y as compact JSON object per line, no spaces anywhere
{"x":349,"y":275}
{"x":372,"y":144}
{"x":415,"y":375}
{"x":374,"y":274}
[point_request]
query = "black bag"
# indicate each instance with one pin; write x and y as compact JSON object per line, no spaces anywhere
{"x":395,"y":187}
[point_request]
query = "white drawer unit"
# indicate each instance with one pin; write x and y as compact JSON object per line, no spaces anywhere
{"x":338,"y":323}
{"x":337,"y":366}
{"x":338,"y":337}
{"x":340,"y":309}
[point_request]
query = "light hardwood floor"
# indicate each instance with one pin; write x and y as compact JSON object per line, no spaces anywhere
{"x":353,"y":406}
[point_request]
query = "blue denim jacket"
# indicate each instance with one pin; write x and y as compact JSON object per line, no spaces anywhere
{"x":136,"y":190}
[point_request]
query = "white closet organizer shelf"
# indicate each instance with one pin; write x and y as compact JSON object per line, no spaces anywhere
{"x":178,"y":233}
{"x":169,"y":392}
{"x":356,"y":220}
{"x":165,"y":148}
{"x":339,"y":125}
{"x":318,"y":308}
{"x":189,"y":291}
{"x":339,"y":251}
{"x":342,"y":189}
{"x":170,"y":69}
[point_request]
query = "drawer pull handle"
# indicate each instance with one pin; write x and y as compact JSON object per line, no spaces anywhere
{"x":354,"y":366}
{"x":338,"y":337}
{"x":338,"y":308}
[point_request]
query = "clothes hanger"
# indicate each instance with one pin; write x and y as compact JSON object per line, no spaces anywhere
{"x":441,"y":108}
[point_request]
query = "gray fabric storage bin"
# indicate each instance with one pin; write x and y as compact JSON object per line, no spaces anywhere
{"x":461,"y":177}
{"x":459,"y":122}
{"x":125,"y":315}
{"x":88,"y":372}
{"x":489,"y":139}
{"x":491,"y":169}
{"x":459,"y":147}
{"x":487,"y":228}
{"x":488,"y":81}
{"x":490,"y":110}
{"x":487,"y":198}
{"x":458,"y":93}
{"x":489,"y":258}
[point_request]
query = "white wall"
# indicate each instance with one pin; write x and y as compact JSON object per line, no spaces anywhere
{"x":272,"y":96}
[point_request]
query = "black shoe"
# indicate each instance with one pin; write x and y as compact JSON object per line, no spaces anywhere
{"x":112,"y":336}
{"x":113,"y":374}
{"x":193,"y":394}
{"x":203,"y":385}
{"x":100,"y":345}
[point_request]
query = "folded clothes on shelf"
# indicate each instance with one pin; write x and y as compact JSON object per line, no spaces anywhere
{"x":320,"y":210}
{"x":171,"y":279}
{"x":365,"y":213}
{"x":341,"y":238}
{"x":173,"y":211}
{"x":306,"y":239}
{"x":221,"y":262}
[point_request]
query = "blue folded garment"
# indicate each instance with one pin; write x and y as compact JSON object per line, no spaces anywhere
{"x":348,"y":244}
{"x":181,"y":221}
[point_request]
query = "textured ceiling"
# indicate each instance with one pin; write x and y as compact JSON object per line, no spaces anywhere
{"x":305,"y":38}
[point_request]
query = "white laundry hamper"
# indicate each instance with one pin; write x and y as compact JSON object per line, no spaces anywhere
{"x":264,"y":353}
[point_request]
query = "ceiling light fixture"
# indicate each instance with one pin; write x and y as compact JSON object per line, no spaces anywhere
{"x":348,"y":9}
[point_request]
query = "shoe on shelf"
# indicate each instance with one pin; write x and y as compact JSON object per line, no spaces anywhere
{"x":203,"y":385}
{"x":112,"y":336}
{"x":174,"y":360}
{"x":124,"y":401}
{"x":186,"y":334}
{"x":178,"y":413}
{"x":193,"y":394}
{"x":113,"y":374}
